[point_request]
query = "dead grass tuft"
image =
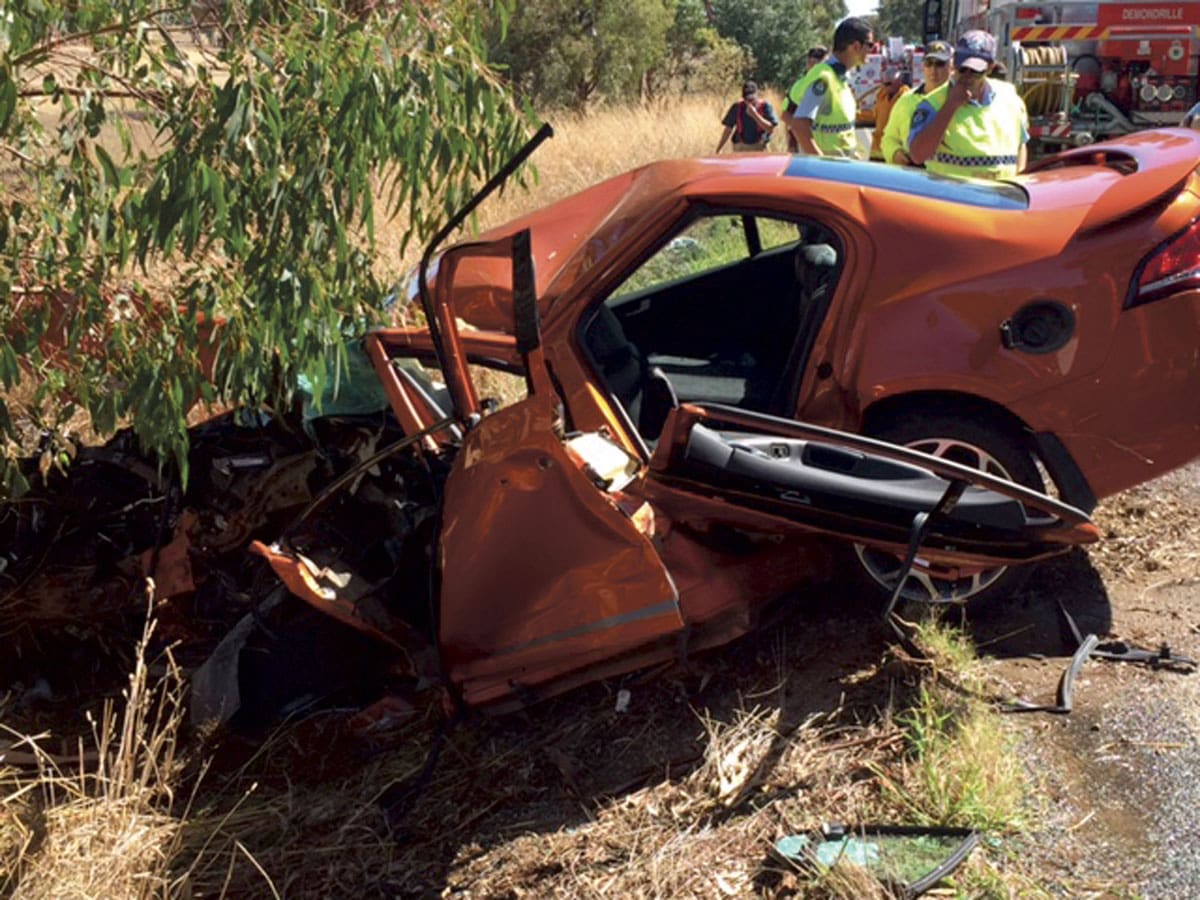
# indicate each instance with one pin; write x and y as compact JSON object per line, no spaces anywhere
{"x":100,"y":848}
{"x":101,"y":824}
{"x":847,"y":881}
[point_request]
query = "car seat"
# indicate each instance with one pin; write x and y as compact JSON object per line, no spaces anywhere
{"x":621,"y":364}
{"x":643,"y":390}
{"x":816,"y":267}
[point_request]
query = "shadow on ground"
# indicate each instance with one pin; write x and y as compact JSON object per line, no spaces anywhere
{"x":1032,"y":622}
{"x":544,"y":772}
{"x":550,"y":770}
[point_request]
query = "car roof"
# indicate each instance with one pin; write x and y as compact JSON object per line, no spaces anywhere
{"x":580,"y":234}
{"x":910,"y":180}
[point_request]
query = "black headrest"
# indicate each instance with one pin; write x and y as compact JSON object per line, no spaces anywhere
{"x":606,"y":338}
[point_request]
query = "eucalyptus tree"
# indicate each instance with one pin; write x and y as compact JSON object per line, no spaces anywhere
{"x":166,"y":166}
{"x":778,"y":32}
{"x":902,"y":18}
{"x":566,"y":52}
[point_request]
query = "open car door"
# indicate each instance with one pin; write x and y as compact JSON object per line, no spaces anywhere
{"x":543,"y":573}
{"x":859,"y":489}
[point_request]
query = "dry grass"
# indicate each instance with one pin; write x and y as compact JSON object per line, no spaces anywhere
{"x":571,"y":800}
{"x":588,"y":147}
{"x":574,"y":800}
{"x":102,"y":823}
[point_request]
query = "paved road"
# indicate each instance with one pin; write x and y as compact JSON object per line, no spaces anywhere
{"x":1122,"y":772}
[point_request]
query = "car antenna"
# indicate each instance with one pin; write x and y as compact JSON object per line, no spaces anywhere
{"x":543,"y":133}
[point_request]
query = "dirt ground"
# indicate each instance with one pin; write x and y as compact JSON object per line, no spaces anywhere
{"x":1121,"y":773}
{"x":577,"y":798}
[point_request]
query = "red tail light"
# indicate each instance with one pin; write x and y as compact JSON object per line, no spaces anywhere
{"x":1174,"y":266}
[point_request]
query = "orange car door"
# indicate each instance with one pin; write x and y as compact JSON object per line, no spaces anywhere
{"x":542,"y":574}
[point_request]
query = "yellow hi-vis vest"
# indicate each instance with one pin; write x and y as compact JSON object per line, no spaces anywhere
{"x":981,"y":141}
{"x":833,"y":127}
{"x":895,"y":134}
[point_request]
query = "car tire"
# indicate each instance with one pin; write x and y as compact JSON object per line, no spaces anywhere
{"x":981,"y":443}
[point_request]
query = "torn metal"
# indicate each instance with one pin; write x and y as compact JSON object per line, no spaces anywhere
{"x":503,"y":546}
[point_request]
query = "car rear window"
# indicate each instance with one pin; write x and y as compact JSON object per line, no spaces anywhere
{"x":904,"y":180}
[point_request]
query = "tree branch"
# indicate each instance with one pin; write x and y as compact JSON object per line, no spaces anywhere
{"x":17,"y":153}
{"x":43,"y":50}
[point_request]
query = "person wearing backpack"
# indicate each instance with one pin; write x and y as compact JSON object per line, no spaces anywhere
{"x":750,"y":121}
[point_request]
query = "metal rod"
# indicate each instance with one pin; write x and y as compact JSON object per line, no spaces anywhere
{"x":543,"y":133}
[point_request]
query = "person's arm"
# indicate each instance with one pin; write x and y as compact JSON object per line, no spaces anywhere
{"x":1023,"y":150}
{"x":759,"y":118}
{"x":724,"y":137}
{"x":925,"y":135}
{"x":729,"y":120}
{"x":801,"y":125}
{"x":895,"y":135}
{"x":879,"y":129}
{"x":802,"y":130}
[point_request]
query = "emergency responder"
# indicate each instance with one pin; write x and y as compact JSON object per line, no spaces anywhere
{"x":751,"y":121}
{"x":886,"y":98}
{"x":815,"y":55}
{"x":821,"y":105}
{"x":935,"y":68}
{"x":971,"y":126}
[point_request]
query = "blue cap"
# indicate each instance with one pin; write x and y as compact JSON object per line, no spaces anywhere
{"x":976,"y":51}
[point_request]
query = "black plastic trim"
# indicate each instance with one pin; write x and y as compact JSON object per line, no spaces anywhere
{"x":1073,"y":487}
{"x":525,"y":308}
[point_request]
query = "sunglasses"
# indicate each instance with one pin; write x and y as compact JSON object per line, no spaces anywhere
{"x":969,"y":73}
{"x":937,"y":63}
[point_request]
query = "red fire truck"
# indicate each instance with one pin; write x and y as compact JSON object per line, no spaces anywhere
{"x":1091,"y":70}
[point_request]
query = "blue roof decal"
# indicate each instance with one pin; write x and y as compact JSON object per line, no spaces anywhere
{"x":907,"y":180}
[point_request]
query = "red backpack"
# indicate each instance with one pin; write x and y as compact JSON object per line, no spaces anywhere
{"x":761,"y":106}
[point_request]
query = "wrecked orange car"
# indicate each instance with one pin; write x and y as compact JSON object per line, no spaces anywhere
{"x":641,"y":414}
{"x":598,"y":514}
{"x":1043,"y":327}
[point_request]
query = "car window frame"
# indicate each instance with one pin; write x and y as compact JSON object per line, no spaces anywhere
{"x":695,"y":210}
